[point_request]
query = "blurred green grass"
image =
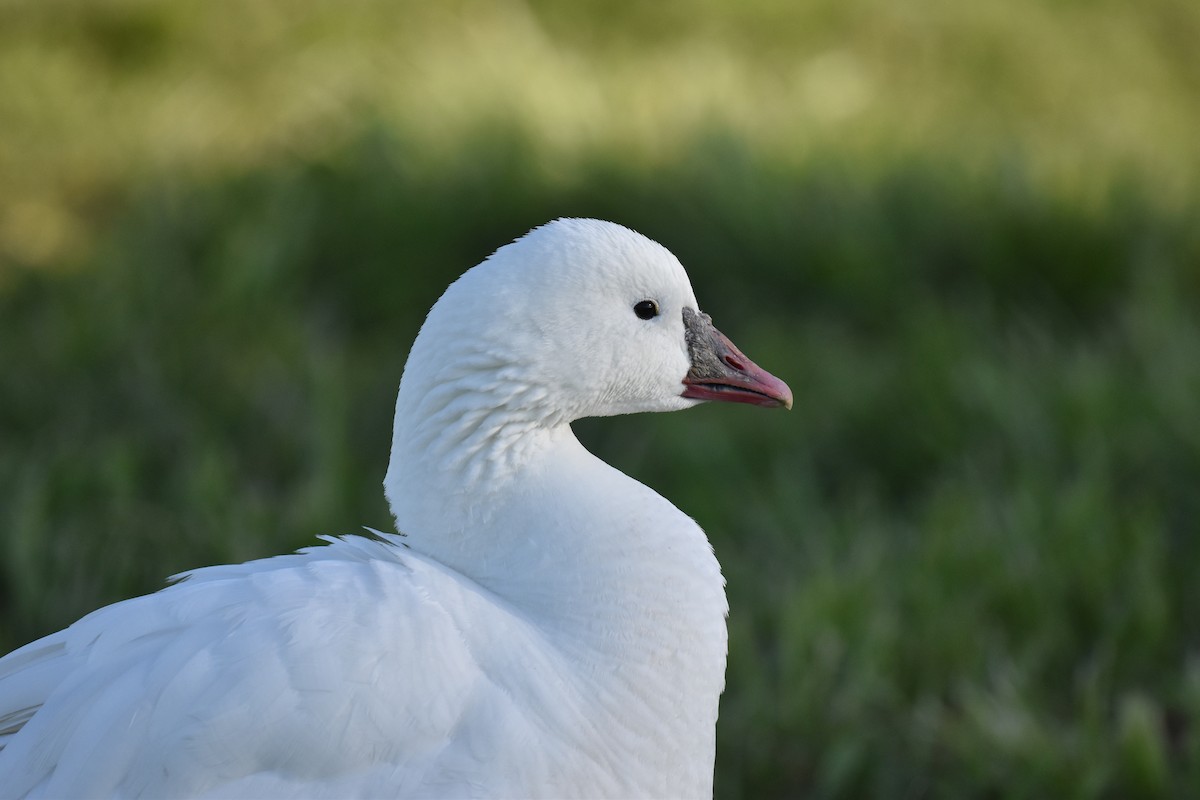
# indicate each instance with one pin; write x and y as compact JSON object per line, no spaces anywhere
{"x":963,"y":567}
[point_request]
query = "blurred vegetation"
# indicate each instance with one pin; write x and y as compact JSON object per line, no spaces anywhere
{"x":966,"y":234}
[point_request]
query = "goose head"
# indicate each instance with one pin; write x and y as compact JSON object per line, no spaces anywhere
{"x":577,"y":318}
{"x":583,"y":318}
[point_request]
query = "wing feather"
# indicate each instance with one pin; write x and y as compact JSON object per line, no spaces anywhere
{"x":326,"y":665}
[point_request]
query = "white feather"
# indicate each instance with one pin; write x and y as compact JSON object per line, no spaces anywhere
{"x":546,"y":626}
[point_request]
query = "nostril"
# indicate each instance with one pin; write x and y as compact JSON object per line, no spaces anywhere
{"x":733,"y":363}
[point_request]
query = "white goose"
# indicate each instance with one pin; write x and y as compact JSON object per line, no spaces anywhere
{"x":544,"y":625}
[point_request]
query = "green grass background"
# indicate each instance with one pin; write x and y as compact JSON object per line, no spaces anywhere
{"x":967,"y":234}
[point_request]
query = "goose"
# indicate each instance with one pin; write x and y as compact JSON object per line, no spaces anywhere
{"x":541,"y":625}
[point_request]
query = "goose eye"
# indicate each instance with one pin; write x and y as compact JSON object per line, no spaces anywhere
{"x":646,"y":309}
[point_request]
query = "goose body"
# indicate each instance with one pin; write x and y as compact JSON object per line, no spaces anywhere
{"x":543,"y":626}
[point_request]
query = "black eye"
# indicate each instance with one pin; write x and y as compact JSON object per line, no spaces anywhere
{"x":646,"y":309}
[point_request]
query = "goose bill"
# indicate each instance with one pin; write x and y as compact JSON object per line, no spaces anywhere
{"x":721,"y":372}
